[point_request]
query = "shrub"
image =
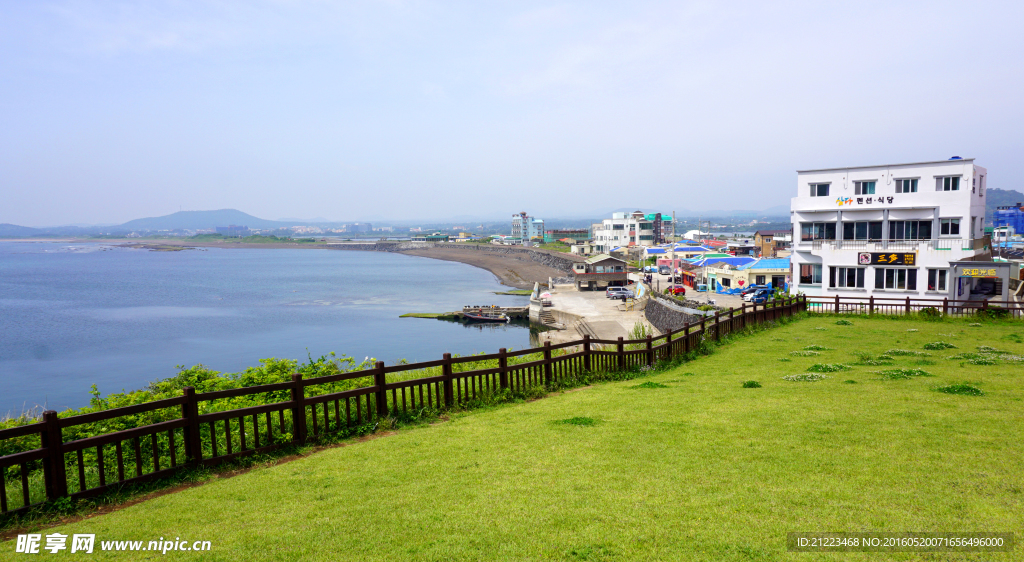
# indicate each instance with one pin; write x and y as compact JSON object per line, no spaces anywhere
{"x":987,"y":349}
{"x":939,"y":345}
{"x":828,"y":367}
{"x":579,"y":420}
{"x":929,"y":313}
{"x":751,"y":384}
{"x":993,"y":313}
{"x":805,"y":377}
{"x":844,"y":323}
{"x":784,"y":359}
{"x":816,"y":348}
{"x":821,"y":328}
{"x":974,"y":325}
{"x":650,"y":384}
{"x":983,"y":361}
{"x":804,"y":353}
{"x":849,"y":381}
{"x":897,"y":374}
{"x":964,"y":388}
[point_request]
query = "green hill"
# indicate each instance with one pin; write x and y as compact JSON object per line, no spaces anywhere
{"x":193,"y":220}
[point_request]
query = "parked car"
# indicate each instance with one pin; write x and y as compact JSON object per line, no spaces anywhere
{"x":614,"y":292}
{"x":749,"y":291}
{"x":664,"y":270}
{"x":650,"y":269}
{"x":677,"y":290}
{"x":759,"y":296}
{"x":701,"y":288}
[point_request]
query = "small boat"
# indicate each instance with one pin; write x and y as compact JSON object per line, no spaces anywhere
{"x":480,"y":316}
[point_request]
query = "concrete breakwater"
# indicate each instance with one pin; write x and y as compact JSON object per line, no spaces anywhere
{"x":514,"y":266}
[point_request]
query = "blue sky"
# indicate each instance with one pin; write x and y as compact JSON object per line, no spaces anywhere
{"x":403,"y":110}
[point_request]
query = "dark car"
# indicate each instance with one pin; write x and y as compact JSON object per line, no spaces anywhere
{"x":760,"y":296}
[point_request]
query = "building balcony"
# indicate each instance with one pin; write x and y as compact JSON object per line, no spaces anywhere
{"x":949,"y":244}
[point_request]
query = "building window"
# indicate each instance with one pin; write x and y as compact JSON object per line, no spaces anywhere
{"x":618,"y":227}
{"x":864,"y":187}
{"x":846,"y":277}
{"x":810,"y":274}
{"x":906,"y":186}
{"x":817,"y":231}
{"x":862,"y":230}
{"x":948,"y":183}
{"x":896,"y":278}
{"x":759,"y":280}
{"x":949,"y":227}
{"x":937,"y":279}
{"x":910,"y":230}
{"x":819,"y":190}
{"x":726,"y":282}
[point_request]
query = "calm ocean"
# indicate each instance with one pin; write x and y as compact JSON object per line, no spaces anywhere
{"x":72,"y":315}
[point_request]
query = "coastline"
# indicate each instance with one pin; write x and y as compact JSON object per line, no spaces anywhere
{"x":513,"y":269}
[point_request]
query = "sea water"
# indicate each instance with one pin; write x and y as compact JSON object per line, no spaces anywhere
{"x":74,"y":315}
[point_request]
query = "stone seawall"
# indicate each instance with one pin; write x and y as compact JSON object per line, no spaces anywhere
{"x":665,"y":315}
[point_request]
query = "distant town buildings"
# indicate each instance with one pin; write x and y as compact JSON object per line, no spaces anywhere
{"x":1009,"y":216}
{"x":234,"y":230}
{"x":573,"y":234}
{"x":526,"y":228}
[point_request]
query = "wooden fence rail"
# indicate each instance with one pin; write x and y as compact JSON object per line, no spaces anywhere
{"x":90,"y":466}
{"x":908,"y":305}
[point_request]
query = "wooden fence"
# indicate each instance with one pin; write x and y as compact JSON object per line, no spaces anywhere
{"x":296,"y":414}
{"x":908,"y":305}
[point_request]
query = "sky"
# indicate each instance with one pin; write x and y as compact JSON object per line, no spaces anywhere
{"x":377,"y":110}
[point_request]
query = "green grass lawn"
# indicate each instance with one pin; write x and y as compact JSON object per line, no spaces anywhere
{"x":695,"y":467}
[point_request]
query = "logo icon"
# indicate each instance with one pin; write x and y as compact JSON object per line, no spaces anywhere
{"x":844,"y":201}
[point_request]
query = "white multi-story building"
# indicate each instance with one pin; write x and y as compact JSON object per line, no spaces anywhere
{"x":887,"y":231}
{"x":623,"y":229}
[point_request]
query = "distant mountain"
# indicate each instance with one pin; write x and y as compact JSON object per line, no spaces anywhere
{"x":999,"y":198}
{"x":13,"y":230}
{"x":195,"y":220}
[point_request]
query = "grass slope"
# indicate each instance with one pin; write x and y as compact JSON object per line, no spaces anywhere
{"x":699,"y":469}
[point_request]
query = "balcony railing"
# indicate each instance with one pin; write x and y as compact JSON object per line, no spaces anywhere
{"x":948,"y":244}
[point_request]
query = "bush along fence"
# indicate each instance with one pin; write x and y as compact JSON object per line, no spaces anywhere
{"x":187,"y":432}
{"x":907,"y":305}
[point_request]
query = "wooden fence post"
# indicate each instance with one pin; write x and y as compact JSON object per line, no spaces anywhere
{"x":621,"y":355}
{"x":871,"y":304}
{"x":945,"y":306}
{"x":449,"y":391}
{"x":718,"y":326}
{"x":686,"y":338}
{"x":190,"y":411}
{"x":380,"y":382}
{"x":650,"y":350}
{"x":586,"y":353}
{"x":503,"y":365}
{"x":55,"y":475}
{"x":547,"y":364}
{"x":298,"y":409}
{"x":668,"y":348}
{"x":743,"y":316}
{"x":908,"y":306}
{"x":732,"y":321}
{"x":837,"y":305}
